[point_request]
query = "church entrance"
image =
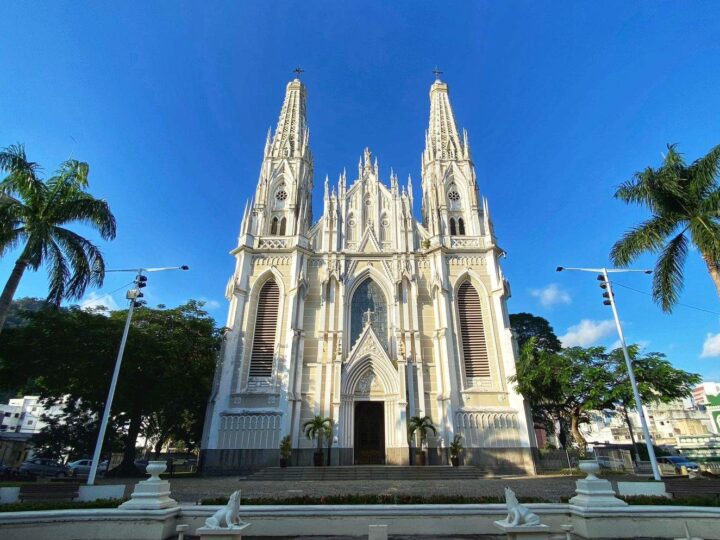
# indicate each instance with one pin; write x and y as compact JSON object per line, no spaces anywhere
{"x":369,"y":444}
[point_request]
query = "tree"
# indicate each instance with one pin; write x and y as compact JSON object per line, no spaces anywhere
{"x":421,"y":425}
{"x":568,"y":384}
{"x":34,"y":215}
{"x":527,"y":325}
{"x":167,"y":369}
{"x":684,"y":201}
{"x":658,"y":382}
{"x":317,"y":429}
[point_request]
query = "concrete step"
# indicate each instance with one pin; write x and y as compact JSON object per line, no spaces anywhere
{"x":367,"y":472}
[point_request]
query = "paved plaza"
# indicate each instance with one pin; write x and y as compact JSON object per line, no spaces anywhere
{"x":186,"y":490}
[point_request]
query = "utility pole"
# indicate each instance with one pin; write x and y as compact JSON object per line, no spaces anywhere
{"x":133,"y":295}
{"x":610,"y":301}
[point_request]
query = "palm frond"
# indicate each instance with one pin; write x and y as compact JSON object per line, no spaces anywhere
{"x":668,"y":278}
{"x":703,"y":173}
{"x":85,"y":260}
{"x":80,"y":206}
{"x":59,"y":273}
{"x":649,"y":236}
{"x":705,"y":233}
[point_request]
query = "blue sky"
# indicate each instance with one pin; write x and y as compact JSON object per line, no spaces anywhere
{"x":170,"y":104}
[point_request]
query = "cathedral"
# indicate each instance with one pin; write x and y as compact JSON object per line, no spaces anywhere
{"x":367,"y":316}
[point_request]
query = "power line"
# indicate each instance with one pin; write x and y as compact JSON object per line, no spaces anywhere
{"x":113,"y":292}
{"x":677,"y":303}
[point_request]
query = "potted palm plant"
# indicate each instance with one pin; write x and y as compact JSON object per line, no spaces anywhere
{"x":285,"y":451}
{"x":455,"y":448}
{"x":420,"y":426}
{"x":317,"y":428}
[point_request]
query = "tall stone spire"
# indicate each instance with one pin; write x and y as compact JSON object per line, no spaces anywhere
{"x":283,"y":203}
{"x":450,"y":195}
{"x":442,"y":140}
{"x":292,"y":135}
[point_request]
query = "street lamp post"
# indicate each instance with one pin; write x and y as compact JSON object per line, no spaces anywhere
{"x":610,"y":300}
{"x":133,"y":296}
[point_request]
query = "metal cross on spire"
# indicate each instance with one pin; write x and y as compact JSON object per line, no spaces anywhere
{"x":437,"y":73}
{"x":298,"y":70}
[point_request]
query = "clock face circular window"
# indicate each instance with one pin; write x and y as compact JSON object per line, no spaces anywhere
{"x":281,"y":195}
{"x":454,"y":196}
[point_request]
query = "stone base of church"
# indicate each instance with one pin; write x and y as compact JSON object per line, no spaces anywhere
{"x":243,"y":461}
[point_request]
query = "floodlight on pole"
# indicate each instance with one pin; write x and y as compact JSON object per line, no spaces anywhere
{"x":133,"y":296}
{"x":610,"y":300}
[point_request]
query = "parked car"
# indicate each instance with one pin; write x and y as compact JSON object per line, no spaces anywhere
{"x":141,"y":464}
{"x":678,"y":462}
{"x":44,"y":467}
{"x":81,"y":467}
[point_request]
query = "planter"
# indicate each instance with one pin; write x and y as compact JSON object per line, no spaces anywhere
{"x":590,"y":467}
{"x":455,"y":461}
{"x":318,"y":459}
{"x":420,"y":458}
{"x":283,"y":462}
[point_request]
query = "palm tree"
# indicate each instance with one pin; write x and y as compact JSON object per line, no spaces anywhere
{"x":34,"y":214}
{"x":685,"y":204}
{"x":317,"y":428}
{"x":421,"y":425}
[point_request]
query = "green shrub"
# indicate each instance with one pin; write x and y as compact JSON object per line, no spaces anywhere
{"x":35,"y":506}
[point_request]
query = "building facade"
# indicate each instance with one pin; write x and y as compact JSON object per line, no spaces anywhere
{"x":367,"y":316}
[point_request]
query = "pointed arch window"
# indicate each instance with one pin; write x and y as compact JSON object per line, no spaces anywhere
{"x":461,"y":227}
{"x":263,"y":346}
{"x":453,"y":230}
{"x":274,"y":226}
{"x":283,"y":222}
{"x":453,"y":198}
{"x":350,"y":228}
{"x":368,"y":302}
{"x":472,"y":332}
{"x":384,"y":229}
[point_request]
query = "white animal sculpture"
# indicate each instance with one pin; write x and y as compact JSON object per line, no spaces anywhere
{"x":227,"y":517}
{"x":518,"y":515}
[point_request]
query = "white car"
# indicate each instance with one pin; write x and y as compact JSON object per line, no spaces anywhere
{"x":81,"y":467}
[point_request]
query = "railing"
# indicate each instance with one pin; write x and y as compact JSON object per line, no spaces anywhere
{"x":272,"y":243}
{"x":466,"y":242}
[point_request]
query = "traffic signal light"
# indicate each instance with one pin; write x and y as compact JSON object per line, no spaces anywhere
{"x":141,"y":281}
{"x":604,"y":286}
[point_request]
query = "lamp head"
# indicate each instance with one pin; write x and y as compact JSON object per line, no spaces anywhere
{"x":559,"y":269}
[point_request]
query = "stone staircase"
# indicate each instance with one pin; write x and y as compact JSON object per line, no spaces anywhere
{"x":365,"y":472}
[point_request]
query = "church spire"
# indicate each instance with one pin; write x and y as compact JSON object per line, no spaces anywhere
{"x":442,"y":140}
{"x":292,"y":134}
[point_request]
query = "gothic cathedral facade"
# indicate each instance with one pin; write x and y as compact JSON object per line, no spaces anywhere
{"x":368,"y":316}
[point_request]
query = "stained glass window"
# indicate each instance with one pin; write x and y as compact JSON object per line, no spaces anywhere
{"x":368,"y":302}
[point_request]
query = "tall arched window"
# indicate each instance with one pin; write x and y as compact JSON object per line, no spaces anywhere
{"x":368,"y":301}
{"x":274,"y":226}
{"x":453,"y":231}
{"x":461,"y":227}
{"x":472,"y":331}
{"x":283,"y":221}
{"x":263,"y":347}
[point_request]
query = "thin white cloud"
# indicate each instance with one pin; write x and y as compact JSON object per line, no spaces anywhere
{"x":95,"y":300}
{"x":210,"y":304}
{"x":587,"y":333}
{"x":711,"y":347}
{"x":551,"y":295}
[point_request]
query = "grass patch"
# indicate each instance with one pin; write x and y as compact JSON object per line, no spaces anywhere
{"x":372,"y":499}
{"x":35,"y":506}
